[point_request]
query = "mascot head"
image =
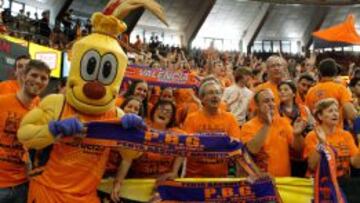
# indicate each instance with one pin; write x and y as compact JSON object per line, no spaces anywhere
{"x":98,"y":63}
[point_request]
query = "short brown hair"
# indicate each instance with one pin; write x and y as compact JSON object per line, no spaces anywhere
{"x":322,"y":105}
{"x":240,"y":72}
{"x":37,"y":64}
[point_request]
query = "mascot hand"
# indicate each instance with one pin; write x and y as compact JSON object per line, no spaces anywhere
{"x":66,"y":127}
{"x":132,"y":121}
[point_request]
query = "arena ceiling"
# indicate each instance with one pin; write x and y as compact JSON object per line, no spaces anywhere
{"x":235,"y":19}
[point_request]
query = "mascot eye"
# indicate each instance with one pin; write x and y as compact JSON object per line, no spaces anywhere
{"x":90,"y":65}
{"x":108,"y":69}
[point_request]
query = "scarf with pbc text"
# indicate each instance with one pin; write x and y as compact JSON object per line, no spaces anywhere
{"x":326,"y":187}
{"x":262,"y":190}
{"x":209,"y":145}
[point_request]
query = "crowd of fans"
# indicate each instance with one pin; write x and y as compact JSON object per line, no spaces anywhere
{"x":39,"y":30}
{"x":281,"y":106}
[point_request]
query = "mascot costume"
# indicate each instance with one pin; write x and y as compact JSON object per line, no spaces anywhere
{"x":75,"y":166}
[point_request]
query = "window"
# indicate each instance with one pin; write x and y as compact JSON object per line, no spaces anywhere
{"x":32,"y":11}
{"x":276,"y":46}
{"x":348,"y":48}
{"x":6,"y":4}
{"x":16,"y":7}
{"x":338,"y":49}
{"x":356,"y":48}
{"x":267,"y":46}
{"x":286,"y":46}
{"x":257,"y":46}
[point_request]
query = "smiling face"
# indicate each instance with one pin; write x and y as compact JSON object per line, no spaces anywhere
{"x":97,"y":69}
{"x":163,"y":115}
{"x":133,"y":106}
{"x":286,"y":93}
{"x":35,"y":82}
{"x":141,"y":90}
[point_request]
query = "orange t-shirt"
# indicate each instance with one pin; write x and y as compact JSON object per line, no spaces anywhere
{"x":274,"y":156}
{"x":75,"y":167}
{"x":12,"y":154}
{"x":200,"y":122}
{"x":344,"y":145}
{"x":9,"y":87}
{"x":152,"y":165}
{"x":325,"y":90}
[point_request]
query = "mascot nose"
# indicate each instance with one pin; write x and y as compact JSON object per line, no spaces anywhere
{"x":94,"y":90}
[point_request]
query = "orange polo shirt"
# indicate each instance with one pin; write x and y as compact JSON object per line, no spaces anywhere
{"x":274,"y":156}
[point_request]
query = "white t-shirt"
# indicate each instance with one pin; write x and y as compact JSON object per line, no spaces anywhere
{"x":238,"y":99}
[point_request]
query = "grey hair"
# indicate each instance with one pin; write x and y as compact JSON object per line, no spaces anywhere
{"x":206,"y":83}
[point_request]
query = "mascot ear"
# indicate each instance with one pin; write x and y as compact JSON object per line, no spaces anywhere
{"x":109,"y":25}
{"x":121,"y":8}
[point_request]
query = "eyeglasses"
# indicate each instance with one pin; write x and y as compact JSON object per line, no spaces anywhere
{"x":216,"y":92}
{"x":165,"y":111}
{"x":276,"y":65}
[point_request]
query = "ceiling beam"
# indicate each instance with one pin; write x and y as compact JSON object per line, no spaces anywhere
{"x":197,"y":20}
{"x":132,"y":19}
{"x":317,"y":19}
{"x":255,"y":27}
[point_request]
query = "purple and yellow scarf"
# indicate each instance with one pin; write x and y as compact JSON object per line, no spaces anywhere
{"x":326,"y":187}
{"x":211,"y":145}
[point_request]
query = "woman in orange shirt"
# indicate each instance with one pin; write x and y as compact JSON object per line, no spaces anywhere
{"x":151,"y":165}
{"x":328,"y":133}
{"x":292,"y":111}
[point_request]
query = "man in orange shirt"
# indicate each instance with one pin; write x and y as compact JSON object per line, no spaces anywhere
{"x":13,"y":86}
{"x":13,"y":177}
{"x":275,"y":69}
{"x":328,"y":88}
{"x":305,"y":82}
{"x":269,"y":136}
{"x":210,"y":119}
